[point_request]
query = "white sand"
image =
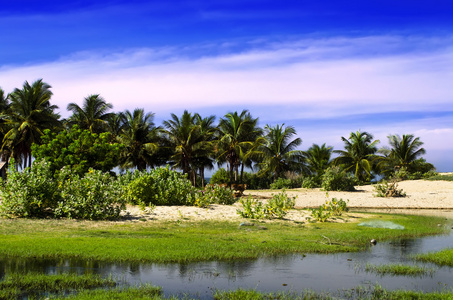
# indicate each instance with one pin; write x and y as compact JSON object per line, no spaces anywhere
{"x":421,"y":194}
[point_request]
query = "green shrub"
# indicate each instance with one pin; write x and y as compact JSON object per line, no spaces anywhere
{"x":220,"y":176}
{"x":35,"y":192}
{"x":161,"y":186}
{"x":285,"y":183}
{"x":311,"y":182}
{"x":30,"y":193}
{"x":213,"y":194}
{"x":336,"y":180}
{"x":337,"y":207}
{"x":388,"y":189}
{"x":276,"y":207}
{"x":95,"y":196}
{"x":333,"y":207}
{"x":321,"y":214}
{"x":252,"y":208}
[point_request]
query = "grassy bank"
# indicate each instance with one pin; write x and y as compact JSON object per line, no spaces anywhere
{"x":194,"y":241}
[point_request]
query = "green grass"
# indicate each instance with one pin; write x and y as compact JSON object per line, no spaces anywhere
{"x":136,"y":293}
{"x":441,"y":177}
{"x":372,"y":293}
{"x":14,"y":285}
{"x":194,"y":241}
{"x":441,"y":258}
{"x":399,"y":270}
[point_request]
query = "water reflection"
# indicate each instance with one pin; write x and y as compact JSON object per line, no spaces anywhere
{"x":290,"y":272}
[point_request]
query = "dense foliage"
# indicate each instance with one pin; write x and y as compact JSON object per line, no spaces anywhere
{"x":160,"y":186}
{"x":335,"y":179}
{"x":79,"y":149}
{"x":36,"y":192}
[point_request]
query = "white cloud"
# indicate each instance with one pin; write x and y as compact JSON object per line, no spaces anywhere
{"x":328,"y":75}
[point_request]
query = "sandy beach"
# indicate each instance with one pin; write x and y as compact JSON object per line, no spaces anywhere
{"x":422,"y":196}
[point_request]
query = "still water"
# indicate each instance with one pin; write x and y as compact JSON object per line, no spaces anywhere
{"x":269,"y":274}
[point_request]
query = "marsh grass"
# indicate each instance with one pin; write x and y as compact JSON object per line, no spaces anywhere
{"x":372,"y":293}
{"x":399,"y":270}
{"x":187,"y":241}
{"x":145,"y":291}
{"x":441,"y":258}
{"x":13,"y":286}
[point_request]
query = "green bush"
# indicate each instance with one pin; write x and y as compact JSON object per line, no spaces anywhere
{"x":95,"y":196}
{"x":31,"y":193}
{"x":220,"y":176}
{"x":161,"y":186}
{"x":333,"y":207}
{"x":252,"y":208}
{"x":286,"y":183}
{"x":255,"y":182}
{"x":311,"y":182}
{"x":35,"y":192}
{"x":336,"y":180}
{"x":276,"y":207}
{"x":213,"y":194}
{"x":388,"y":189}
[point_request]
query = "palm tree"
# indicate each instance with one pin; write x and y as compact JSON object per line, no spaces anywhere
{"x":207,"y":133}
{"x":140,"y":138}
{"x":115,"y":124}
{"x":359,"y":155}
{"x":403,"y":152}
{"x":318,"y":159}
{"x":93,"y":115}
{"x":279,"y":151}
{"x":29,"y":114}
{"x":184,"y":137}
{"x":238,"y":136}
{"x":4,"y":109}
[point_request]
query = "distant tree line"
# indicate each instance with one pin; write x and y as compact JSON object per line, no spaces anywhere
{"x":96,"y":137}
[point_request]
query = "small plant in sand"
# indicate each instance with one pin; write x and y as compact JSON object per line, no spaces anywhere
{"x":277,"y":207}
{"x":389,"y":189}
{"x":333,"y":207}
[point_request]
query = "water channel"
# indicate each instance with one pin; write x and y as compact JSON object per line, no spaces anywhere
{"x":268,"y":274}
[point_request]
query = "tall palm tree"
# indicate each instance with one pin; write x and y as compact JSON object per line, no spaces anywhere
{"x":238,"y":135}
{"x":279,"y":151}
{"x":29,"y":114}
{"x":140,"y":138}
{"x":115,"y":124}
{"x":4,"y":109}
{"x":93,"y":115}
{"x":318,"y":159}
{"x":184,"y":137}
{"x":207,"y":133}
{"x":403,"y":152}
{"x":359,"y":156}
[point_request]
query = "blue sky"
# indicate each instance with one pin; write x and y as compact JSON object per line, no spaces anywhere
{"x":325,"y":67}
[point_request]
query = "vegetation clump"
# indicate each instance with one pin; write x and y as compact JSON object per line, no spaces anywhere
{"x":16,"y":285}
{"x":441,"y":258}
{"x":277,"y":207}
{"x":331,"y":208}
{"x":388,"y":189}
{"x":335,"y":179}
{"x":36,"y":193}
{"x":398,"y":270}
